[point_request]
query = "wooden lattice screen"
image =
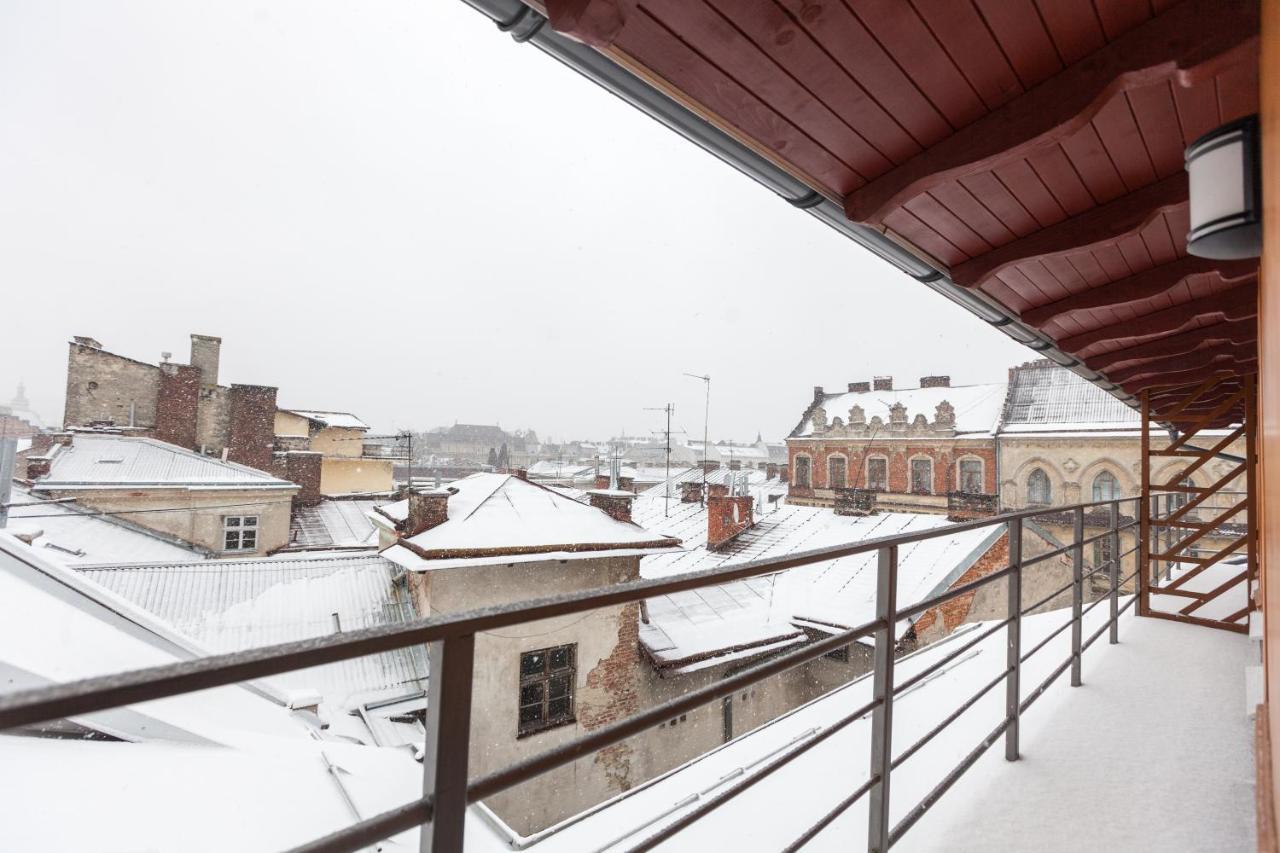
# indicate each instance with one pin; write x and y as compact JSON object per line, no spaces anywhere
{"x":1199,"y":526}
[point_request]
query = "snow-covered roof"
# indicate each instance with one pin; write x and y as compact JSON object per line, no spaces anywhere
{"x":330,"y":523}
{"x":341,"y":420}
{"x":233,"y":605}
{"x":70,"y":534}
{"x":1047,"y":398}
{"x":977,"y":407}
{"x":690,"y":627}
{"x":551,"y":469}
{"x":113,"y":461}
{"x":498,"y":514}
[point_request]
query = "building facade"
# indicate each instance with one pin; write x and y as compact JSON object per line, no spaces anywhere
{"x":349,"y":465}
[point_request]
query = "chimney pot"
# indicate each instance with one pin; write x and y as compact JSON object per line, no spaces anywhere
{"x":859,"y":387}
{"x":882,"y":383}
{"x":935,"y":381}
{"x":614,"y":503}
{"x":427,"y":510}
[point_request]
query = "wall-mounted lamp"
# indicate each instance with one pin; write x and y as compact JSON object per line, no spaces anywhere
{"x":1226,"y":192}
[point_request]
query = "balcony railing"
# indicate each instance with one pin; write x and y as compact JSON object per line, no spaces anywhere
{"x":447,"y":789}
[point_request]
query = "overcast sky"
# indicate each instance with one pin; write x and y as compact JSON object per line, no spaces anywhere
{"x":391,"y":208}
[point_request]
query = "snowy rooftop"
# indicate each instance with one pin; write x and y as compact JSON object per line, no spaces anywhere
{"x":977,"y":407}
{"x":1088,"y":753}
{"x":70,"y":534}
{"x":337,"y":524}
{"x":689,"y":628}
{"x":112,"y":461}
{"x":1045,"y":397}
{"x":341,"y":420}
{"x":233,"y":605}
{"x":495,"y":514}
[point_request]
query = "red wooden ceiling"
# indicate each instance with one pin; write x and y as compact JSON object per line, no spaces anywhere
{"x":1080,"y":231}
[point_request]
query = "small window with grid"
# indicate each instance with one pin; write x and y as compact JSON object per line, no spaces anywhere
{"x":239,"y":533}
{"x":546,"y":688}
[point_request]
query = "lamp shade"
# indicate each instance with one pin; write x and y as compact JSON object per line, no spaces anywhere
{"x":1226,"y":192}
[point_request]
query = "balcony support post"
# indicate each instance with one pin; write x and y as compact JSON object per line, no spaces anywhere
{"x":878,"y":828}
{"x":445,"y":754}
{"x":1113,"y":539}
{"x":1013,"y":696}
{"x":1077,"y":591}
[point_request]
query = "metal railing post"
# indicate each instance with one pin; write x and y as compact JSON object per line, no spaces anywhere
{"x":1077,"y":592}
{"x":1113,"y":539}
{"x":445,"y":754}
{"x":1013,"y":697}
{"x":878,"y":826}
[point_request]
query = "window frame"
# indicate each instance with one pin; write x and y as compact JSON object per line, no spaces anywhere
{"x":805,"y":482}
{"x":1117,"y":492}
{"x":1048,"y":488}
{"x":982,"y":474}
{"x":883,"y":485}
{"x":843,"y":469}
{"x":911,"y":475}
{"x":546,"y":721}
{"x":240,"y":529}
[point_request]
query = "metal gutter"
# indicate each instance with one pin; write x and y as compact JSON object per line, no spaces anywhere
{"x":528,"y":25}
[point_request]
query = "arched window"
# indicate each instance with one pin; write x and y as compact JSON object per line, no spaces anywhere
{"x":1038,"y":490}
{"x":970,"y":471}
{"x":1106,"y":487}
{"x":878,"y":474}
{"x":802,"y":479}
{"x":922,"y":476}
{"x":837,"y":468}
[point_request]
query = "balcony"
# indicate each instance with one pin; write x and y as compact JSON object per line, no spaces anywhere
{"x":901,"y":756}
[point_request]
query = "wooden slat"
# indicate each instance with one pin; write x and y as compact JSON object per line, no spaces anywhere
{"x":1209,"y":454}
{"x":1216,"y":355}
{"x":1055,"y":110}
{"x":1196,"y":620}
{"x":1234,"y":332}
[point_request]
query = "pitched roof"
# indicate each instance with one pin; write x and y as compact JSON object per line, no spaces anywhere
{"x":111,"y":461}
{"x":477,"y":432}
{"x":330,"y":523}
{"x":1046,"y":397}
{"x":977,"y":407}
{"x":232,"y":605}
{"x":341,"y":420}
{"x":499,"y":514}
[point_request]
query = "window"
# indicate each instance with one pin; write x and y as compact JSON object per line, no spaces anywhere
{"x":239,"y":533}
{"x":1106,"y":487}
{"x":922,"y":476}
{"x":546,"y":688}
{"x":836,"y":467}
{"x":971,"y":476}
{"x":1101,"y":555}
{"x":802,"y":478}
{"x":878,"y":474}
{"x":1038,"y":492}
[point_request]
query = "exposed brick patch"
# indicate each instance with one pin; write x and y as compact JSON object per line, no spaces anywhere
{"x":177,"y":403}
{"x":616,"y":679}
{"x":954,"y":612}
{"x":253,"y":425}
{"x":726,"y":518}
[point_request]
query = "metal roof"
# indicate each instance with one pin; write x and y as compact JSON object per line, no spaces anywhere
{"x":1046,"y":395}
{"x":341,"y":420}
{"x":233,"y":605}
{"x":103,"y":461}
{"x":343,"y":524}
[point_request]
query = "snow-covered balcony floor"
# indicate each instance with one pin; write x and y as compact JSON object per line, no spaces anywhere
{"x":1153,"y":752}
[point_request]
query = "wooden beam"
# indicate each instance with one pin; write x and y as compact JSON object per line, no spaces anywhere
{"x":1124,"y":215}
{"x":1217,"y":356}
{"x":1158,"y":379}
{"x":593,"y":22}
{"x":1241,"y":331}
{"x":1235,"y":303}
{"x":1193,"y":40}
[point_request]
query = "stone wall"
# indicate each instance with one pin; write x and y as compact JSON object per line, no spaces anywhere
{"x":102,"y":386}
{"x":213,"y":420}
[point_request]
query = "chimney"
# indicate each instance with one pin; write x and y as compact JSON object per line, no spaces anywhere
{"x":520,"y":473}
{"x":859,"y":387}
{"x":204,"y":357}
{"x":882,"y":383}
{"x":38,"y":466}
{"x":691,"y":492}
{"x":615,"y":502}
{"x":627,"y":484}
{"x":771,"y":470}
{"x":717,"y":490}
{"x":735,"y":464}
{"x":784,"y":473}
{"x":602,"y":481}
{"x":817,"y":393}
{"x":935,"y":381}
{"x":427,"y":509}
{"x":727,"y":517}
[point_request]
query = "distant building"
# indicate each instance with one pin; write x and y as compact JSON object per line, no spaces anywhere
{"x":222,"y":508}
{"x":916,"y":449}
{"x":349,"y":464}
{"x":17,"y":419}
{"x":482,"y":444}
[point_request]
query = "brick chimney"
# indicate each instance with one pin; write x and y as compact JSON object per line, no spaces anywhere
{"x":427,"y":509}
{"x":691,"y":492}
{"x":859,"y":387}
{"x":727,"y":518}
{"x":520,"y":473}
{"x":205,"y":351}
{"x":935,"y":381}
{"x":818,"y":393}
{"x":602,"y":481}
{"x":717,"y":490}
{"x":38,"y":466}
{"x":882,"y":383}
{"x":615,"y":502}
{"x":771,"y":470}
{"x":627,"y":484}
{"x":784,"y":473}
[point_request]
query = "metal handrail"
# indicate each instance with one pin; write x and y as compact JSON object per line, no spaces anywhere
{"x":451,"y":638}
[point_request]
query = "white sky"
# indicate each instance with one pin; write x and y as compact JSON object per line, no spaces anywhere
{"x":392,"y":208}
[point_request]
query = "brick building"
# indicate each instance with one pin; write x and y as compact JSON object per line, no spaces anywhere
{"x":924,"y":449}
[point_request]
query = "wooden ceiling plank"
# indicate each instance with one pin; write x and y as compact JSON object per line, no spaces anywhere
{"x":1191,"y":368}
{"x":1129,"y":213}
{"x":1157,"y":118}
{"x":1239,"y":331}
{"x":966,"y":39}
{"x":1195,"y":37}
{"x":1141,"y":287}
{"x":1234,"y":303}
{"x":1020,"y":31}
{"x":1120,"y":16}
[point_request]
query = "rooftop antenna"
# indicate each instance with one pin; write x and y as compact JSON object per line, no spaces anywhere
{"x":666,"y":488}
{"x":706,"y":416}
